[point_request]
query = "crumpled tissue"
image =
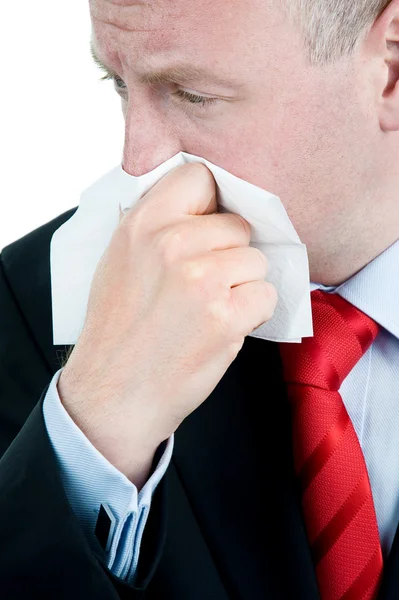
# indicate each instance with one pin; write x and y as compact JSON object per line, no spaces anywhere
{"x":77,"y":246}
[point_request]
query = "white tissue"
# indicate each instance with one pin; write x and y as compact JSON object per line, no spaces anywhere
{"x":77,"y":246}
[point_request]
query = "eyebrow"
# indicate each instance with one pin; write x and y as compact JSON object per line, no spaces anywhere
{"x":178,"y":72}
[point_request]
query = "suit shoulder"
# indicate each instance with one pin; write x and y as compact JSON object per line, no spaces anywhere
{"x":27,"y":251}
{"x":27,"y":273}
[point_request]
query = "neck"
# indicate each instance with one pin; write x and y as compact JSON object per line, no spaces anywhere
{"x":360,"y":240}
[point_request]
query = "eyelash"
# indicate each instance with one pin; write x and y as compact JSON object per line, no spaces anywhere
{"x":184,"y":97}
{"x":193,"y":99}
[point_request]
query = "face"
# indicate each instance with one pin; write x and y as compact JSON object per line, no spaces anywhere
{"x":309,"y":135}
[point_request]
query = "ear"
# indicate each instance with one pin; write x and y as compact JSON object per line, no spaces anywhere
{"x":385,"y":39}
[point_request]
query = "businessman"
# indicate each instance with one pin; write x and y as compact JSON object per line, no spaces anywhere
{"x":168,"y":455}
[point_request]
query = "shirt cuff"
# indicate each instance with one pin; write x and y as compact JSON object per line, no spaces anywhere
{"x":90,"y":481}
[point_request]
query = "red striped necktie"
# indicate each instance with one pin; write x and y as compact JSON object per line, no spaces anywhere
{"x":337,"y":502}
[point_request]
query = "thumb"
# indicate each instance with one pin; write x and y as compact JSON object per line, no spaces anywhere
{"x":212,"y":206}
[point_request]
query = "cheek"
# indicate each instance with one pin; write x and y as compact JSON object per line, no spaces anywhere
{"x":306,"y":153}
{"x":306,"y":148}
{"x":271,"y":147}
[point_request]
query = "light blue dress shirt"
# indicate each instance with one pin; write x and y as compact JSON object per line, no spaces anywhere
{"x":90,"y":480}
{"x":370,"y":393}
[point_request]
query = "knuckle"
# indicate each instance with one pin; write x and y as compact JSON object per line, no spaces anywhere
{"x":197,"y":270}
{"x":170,"y":246}
{"x":193,"y":270}
{"x":217,"y":310}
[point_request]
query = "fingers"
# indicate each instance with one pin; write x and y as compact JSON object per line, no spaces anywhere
{"x":230,"y":267}
{"x":254,"y":304}
{"x":208,"y":232}
{"x":189,"y":189}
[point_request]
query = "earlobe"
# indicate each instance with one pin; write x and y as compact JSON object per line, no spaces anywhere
{"x":389,"y":119}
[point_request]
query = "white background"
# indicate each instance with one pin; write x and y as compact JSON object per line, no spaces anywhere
{"x":60,"y":127}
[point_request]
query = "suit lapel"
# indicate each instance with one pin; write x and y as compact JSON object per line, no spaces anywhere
{"x":234,"y":458}
{"x":27,"y":265}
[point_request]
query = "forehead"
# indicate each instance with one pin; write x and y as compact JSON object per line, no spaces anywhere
{"x":155,"y":15}
{"x":135,"y":32}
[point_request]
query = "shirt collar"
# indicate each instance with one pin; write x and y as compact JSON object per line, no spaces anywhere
{"x":374,"y":289}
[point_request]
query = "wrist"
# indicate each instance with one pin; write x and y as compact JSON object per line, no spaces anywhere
{"x":110,"y":432}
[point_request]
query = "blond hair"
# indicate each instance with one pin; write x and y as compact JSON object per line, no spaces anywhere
{"x":332,"y":29}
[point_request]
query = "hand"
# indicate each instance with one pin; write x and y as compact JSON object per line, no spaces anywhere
{"x":171,"y":301}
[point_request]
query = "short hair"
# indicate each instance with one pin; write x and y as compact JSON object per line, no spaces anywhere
{"x":332,"y":29}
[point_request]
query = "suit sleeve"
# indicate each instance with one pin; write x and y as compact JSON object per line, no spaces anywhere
{"x":44,"y":552}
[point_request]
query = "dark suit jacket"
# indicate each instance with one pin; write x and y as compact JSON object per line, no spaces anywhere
{"x":225,"y":522}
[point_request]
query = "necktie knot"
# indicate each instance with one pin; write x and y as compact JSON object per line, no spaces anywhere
{"x":342,"y":334}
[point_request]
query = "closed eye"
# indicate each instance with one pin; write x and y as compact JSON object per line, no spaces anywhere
{"x":193,"y":98}
{"x":182,"y":95}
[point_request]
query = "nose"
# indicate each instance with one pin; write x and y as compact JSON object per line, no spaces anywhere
{"x":150,"y":139}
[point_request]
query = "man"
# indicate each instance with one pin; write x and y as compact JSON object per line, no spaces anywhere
{"x":169,"y":455}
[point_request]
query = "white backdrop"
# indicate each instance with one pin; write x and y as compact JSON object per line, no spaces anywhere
{"x":60,"y":127}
